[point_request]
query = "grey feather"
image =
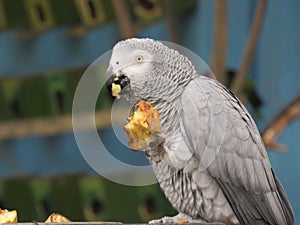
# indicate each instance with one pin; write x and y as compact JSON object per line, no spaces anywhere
{"x":241,"y":168}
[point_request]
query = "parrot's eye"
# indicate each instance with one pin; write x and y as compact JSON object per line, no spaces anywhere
{"x":139,"y":58}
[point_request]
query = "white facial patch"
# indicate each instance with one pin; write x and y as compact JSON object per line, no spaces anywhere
{"x":130,"y":61}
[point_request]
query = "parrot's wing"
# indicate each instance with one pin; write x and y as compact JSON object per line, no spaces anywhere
{"x":227,"y":143}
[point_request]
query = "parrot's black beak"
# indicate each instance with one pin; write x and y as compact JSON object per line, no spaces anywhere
{"x":116,"y":83}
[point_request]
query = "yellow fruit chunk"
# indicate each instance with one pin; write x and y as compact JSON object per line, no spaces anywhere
{"x":115,"y":89}
{"x":182,"y":221}
{"x":8,"y":216}
{"x":57,"y":218}
{"x":144,"y":122}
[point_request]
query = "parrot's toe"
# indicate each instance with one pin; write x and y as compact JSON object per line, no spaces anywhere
{"x":169,"y":220}
{"x":165,"y":219}
{"x":182,"y":219}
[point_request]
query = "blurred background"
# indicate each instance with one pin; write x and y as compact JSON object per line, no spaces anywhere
{"x":45,"y":46}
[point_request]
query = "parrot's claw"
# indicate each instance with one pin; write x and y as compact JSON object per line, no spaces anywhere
{"x":182,"y":219}
{"x":158,"y":140}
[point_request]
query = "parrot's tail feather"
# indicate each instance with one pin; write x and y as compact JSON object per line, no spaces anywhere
{"x":287,"y":209}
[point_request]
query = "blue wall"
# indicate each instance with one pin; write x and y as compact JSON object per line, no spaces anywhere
{"x":275,"y":72}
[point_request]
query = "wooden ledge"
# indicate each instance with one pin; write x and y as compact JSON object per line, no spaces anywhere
{"x":107,"y":223}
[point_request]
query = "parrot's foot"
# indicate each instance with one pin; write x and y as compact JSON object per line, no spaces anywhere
{"x":182,"y":219}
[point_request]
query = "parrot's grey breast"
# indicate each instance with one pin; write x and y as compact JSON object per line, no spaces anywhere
{"x":194,"y":192}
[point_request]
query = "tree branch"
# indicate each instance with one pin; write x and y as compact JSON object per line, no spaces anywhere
{"x":275,"y":128}
{"x":169,"y":12}
{"x":220,"y":42}
{"x":124,"y":19}
{"x":250,"y":47}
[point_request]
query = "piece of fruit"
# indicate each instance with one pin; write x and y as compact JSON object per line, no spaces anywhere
{"x":142,"y":125}
{"x":182,"y":221}
{"x":115,"y":90}
{"x":8,"y":216}
{"x":57,"y":218}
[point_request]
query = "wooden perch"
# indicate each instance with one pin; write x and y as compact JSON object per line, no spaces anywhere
{"x":275,"y":128}
{"x":110,"y":223}
{"x":56,"y":218}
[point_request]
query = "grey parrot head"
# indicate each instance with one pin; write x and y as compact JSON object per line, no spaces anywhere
{"x":147,"y":69}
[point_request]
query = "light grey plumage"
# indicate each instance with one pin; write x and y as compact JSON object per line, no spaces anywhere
{"x":212,"y":164}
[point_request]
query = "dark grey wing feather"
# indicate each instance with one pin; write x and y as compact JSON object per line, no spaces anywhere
{"x":251,"y":208}
{"x":241,"y":166}
{"x":285,"y":203}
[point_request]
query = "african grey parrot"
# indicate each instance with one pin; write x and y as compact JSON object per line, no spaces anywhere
{"x":209,"y":160}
